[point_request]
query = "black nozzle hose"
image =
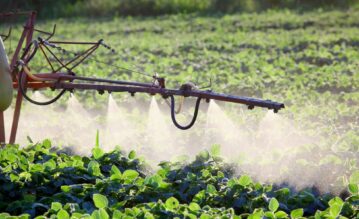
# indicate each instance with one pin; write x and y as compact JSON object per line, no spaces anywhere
{"x":23,"y":93}
{"x":173,"y":114}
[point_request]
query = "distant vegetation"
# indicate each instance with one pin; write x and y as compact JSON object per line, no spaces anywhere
{"x":55,"y":8}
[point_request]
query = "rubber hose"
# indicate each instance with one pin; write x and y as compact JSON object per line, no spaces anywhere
{"x":173,"y":114}
{"x":23,"y":92}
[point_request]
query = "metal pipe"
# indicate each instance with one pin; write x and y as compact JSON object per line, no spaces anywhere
{"x":28,"y":33}
{"x":6,"y":14}
{"x":72,"y":42}
{"x":67,"y":77}
{"x":108,"y":81}
{"x":15,"y":121}
{"x":250,"y":102}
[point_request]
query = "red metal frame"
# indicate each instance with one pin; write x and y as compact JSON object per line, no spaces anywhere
{"x":26,"y":34}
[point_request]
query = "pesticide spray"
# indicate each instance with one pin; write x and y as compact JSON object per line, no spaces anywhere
{"x":265,"y":150}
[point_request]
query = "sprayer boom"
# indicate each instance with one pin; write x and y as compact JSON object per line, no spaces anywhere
{"x":207,"y":95}
{"x":64,"y":78}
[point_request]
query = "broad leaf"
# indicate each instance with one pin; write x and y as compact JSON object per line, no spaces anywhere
{"x":297,"y":213}
{"x":132,"y":155}
{"x":273,"y":205}
{"x":62,"y":214}
{"x":100,"y":201}
{"x":130,"y":175}
{"x":245,"y":180}
{"x":172,"y":203}
{"x":56,"y":206}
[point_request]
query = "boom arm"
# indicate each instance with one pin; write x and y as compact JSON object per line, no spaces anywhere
{"x":65,"y":82}
{"x":63,"y":78}
{"x":208,"y":95}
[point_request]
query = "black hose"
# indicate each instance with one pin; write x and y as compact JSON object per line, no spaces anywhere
{"x":27,"y":49}
{"x":173,"y":116}
{"x":23,"y":92}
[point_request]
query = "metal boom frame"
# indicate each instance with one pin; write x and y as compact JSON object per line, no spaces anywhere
{"x":67,"y":80}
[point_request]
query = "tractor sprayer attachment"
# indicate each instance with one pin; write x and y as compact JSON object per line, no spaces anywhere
{"x":64,"y":78}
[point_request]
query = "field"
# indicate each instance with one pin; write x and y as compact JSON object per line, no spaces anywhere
{"x":309,"y":61}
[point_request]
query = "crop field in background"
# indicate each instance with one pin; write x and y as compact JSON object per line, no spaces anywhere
{"x":308,"y":61}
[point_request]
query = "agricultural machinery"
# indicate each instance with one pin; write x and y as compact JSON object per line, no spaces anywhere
{"x":18,"y":76}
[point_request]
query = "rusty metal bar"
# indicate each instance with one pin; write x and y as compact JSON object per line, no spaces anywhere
{"x":250,"y":102}
{"x":15,"y":121}
{"x":85,"y":55}
{"x":67,"y":77}
{"x":18,"y":48}
{"x":47,"y":33}
{"x":70,"y":77}
{"x":6,"y":14}
{"x":35,"y":85}
{"x":28,"y":33}
{"x":71,"y":42}
{"x":57,"y":59}
{"x":47,"y":58}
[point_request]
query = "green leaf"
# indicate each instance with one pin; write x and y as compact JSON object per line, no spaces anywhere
{"x":148,"y":215}
{"x":198,"y":198}
{"x":172,"y":203}
{"x":297,"y":213}
{"x":205,"y":216}
{"x":211,"y":189}
{"x":115,"y":173}
{"x":94,"y":168}
{"x":232,"y":182}
{"x":273,"y":205}
{"x":23,"y":216}
{"x":335,"y":210}
{"x":100,"y":214}
{"x":215,"y":150}
{"x":205,"y":173}
{"x":353,"y":188}
{"x":46,"y":143}
{"x":194,"y":207}
{"x":335,"y":201}
{"x":245,"y":180}
{"x":130,"y":175}
{"x":97,"y":152}
{"x":97,"y":145}
{"x":66,"y":189}
{"x":281,"y":214}
{"x":100,"y":201}
{"x":56,"y":206}
{"x":77,"y":215}
{"x":354,"y":178}
{"x":203,"y":156}
{"x":50,"y":165}
{"x":117,"y":214}
{"x":13,"y":177}
{"x":257,"y":214}
{"x":62,"y":214}
{"x":132,"y":155}
{"x":269,"y":214}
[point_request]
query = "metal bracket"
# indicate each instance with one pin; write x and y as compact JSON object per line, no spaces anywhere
{"x":47,"y":33}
